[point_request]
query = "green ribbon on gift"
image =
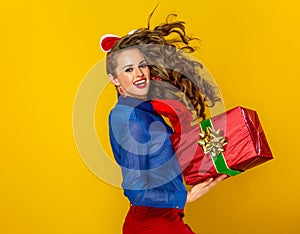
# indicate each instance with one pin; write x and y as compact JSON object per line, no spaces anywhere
{"x":218,"y":159}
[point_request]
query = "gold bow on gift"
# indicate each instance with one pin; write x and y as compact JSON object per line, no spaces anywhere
{"x":212,"y":141}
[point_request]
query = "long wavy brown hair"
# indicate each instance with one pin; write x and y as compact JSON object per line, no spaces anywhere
{"x":176,"y":75}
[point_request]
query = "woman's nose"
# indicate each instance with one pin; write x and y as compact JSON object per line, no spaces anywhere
{"x":139,"y":72}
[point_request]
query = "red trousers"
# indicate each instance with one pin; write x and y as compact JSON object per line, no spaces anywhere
{"x":150,"y":220}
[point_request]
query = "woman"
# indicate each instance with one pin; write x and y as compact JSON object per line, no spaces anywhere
{"x":145,"y":65}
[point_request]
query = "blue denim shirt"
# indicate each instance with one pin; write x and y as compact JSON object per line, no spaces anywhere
{"x":141,"y":145}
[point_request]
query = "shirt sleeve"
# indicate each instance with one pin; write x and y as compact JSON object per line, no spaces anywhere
{"x":149,"y":168}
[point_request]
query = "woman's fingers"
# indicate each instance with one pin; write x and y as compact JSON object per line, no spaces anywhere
{"x":206,"y":182}
{"x":200,"y":189}
{"x":212,"y":181}
{"x":216,"y":181}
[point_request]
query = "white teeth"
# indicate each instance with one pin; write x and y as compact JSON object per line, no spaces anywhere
{"x":139,"y":82}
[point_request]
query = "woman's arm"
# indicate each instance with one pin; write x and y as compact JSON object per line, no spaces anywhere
{"x":151,"y":174}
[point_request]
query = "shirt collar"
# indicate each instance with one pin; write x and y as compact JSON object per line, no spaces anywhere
{"x":135,"y":103}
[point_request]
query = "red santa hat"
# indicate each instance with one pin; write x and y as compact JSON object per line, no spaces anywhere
{"x":107,"y":41}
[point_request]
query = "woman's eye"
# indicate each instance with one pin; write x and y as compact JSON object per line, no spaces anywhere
{"x":129,"y":69}
{"x":143,"y":65}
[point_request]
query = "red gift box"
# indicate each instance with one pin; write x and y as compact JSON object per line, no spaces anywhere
{"x":246,"y":142}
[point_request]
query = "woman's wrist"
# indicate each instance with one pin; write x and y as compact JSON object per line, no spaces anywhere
{"x":188,"y":197}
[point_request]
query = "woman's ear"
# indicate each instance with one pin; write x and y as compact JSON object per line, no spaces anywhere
{"x":113,"y":80}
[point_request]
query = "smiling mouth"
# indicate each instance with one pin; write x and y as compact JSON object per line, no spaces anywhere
{"x":141,"y":83}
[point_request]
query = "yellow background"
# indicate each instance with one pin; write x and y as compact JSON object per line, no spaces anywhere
{"x":46,"y":47}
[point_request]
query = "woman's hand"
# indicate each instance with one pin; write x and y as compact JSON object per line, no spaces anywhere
{"x":200,"y":189}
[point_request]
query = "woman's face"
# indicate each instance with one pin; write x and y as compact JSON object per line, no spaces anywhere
{"x":133,"y":74}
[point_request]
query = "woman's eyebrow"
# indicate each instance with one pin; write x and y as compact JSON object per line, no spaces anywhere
{"x":131,"y":65}
{"x":128,"y":65}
